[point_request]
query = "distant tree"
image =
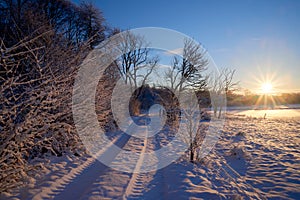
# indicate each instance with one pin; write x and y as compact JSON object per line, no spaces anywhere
{"x":136,"y":64}
{"x":78,"y":24}
{"x":45,"y":24}
{"x":91,"y":23}
{"x":186,"y":71}
{"x":220,"y":85}
{"x":229,"y":84}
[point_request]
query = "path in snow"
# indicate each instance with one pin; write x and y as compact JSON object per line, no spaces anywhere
{"x":135,"y":185}
{"x":79,"y":179}
{"x":94,"y":180}
{"x":82,"y":183}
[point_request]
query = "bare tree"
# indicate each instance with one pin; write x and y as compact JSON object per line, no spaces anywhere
{"x":91,"y":23}
{"x":77,"y":24}
{"x":186,"y":71}
{"x":229,"y":84}
{"x":190,"y":118}
{"x":221,"y":84}
{"x":136,"y":63}
{"x":185,"y":76}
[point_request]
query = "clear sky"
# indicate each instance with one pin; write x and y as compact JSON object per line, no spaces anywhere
{"x":260,"y":39}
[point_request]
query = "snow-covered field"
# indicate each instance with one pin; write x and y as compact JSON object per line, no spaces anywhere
{"x":255,"y":158}
{"x":279,"y":113}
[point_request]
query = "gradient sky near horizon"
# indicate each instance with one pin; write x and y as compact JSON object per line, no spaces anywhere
{"x":258,"y":38}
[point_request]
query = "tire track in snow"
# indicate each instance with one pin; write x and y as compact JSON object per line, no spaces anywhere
{"x":76,"y":182}
{"x":135,"y":186}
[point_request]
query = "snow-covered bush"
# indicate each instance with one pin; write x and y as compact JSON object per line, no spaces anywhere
{"x":40,"y":50}
{"x":36,"y":115}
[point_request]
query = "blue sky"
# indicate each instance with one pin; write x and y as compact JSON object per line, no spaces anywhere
{"x":260,"y":39}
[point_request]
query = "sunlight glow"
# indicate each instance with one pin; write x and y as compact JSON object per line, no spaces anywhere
{"x":266,"y":88}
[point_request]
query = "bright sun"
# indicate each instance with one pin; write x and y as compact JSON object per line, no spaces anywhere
{"x":266,"y":88}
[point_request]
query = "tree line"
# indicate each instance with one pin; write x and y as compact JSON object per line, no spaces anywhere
{"x":251,"y":99}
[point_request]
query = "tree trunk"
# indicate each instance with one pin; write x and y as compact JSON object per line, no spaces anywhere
{"x":191,"y":153}
{"x":220,"y":112}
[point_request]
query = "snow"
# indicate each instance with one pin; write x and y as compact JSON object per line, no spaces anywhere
{"x":255,"y":158}
{"x":276,"y":113}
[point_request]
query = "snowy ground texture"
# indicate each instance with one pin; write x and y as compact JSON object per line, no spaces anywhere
{"x":255,"y":158}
